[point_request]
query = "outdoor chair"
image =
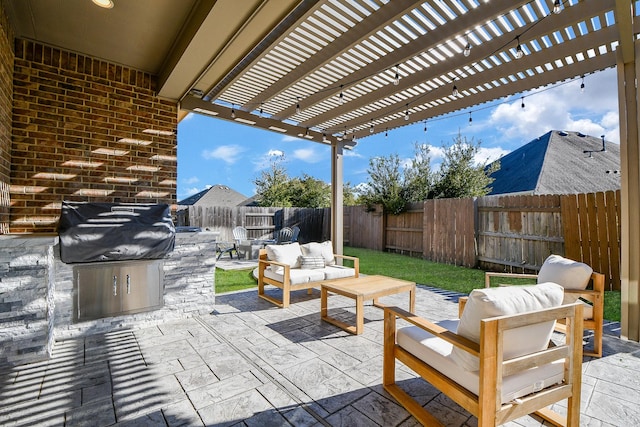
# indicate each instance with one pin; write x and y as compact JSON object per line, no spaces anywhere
{"x":284,"y":236}
{"x":296,"y":233}
{"x":497,"y":360}
{"x":242,"y":243}
{"x":575,"y":278}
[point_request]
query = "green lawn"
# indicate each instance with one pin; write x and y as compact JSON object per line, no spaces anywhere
{"x":424,"y":272}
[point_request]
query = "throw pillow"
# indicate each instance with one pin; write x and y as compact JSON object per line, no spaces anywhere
{"x":287,"y":254}
{"x":567,"y":273}
{"x":311,"y":262}
{"x":508,"y":300}
{"x":324,"y":249}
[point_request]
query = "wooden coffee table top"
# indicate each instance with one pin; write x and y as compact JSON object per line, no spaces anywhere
{"x":367,"y":286}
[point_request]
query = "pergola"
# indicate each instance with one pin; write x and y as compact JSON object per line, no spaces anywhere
{"x":333,"y":71}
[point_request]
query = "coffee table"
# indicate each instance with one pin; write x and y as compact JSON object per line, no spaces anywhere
{"x":361,"y":289}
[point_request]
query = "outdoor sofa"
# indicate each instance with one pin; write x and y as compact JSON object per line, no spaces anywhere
{"x":294,"y":267}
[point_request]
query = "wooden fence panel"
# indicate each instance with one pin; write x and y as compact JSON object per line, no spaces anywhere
{"x":365,"y":228}
{"x":591,"y":229}
{"x":517,"y":233}
{"x":449,"y":231}
{"x":403,"y":232}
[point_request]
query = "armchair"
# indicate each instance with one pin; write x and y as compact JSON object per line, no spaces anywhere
{"x":242,"y":243}
{"x":574,"y":277}
{"x":499,"y":365}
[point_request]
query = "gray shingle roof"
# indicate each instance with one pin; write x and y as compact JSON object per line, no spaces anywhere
{"x":555,"y":163}
{"x":217,"y":195}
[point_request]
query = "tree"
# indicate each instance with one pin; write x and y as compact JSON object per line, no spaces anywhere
{"x":459,"y":175}
{"x":275,"y":188}
{"x":393,"y":186}
{"x":272,"y":186}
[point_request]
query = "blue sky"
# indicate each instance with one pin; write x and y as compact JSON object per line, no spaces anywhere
{"x":215,"y":151}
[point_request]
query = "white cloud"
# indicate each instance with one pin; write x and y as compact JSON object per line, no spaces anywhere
{"x":191,"y":191}
{"x":227,"y":153}
{"x":592,"y":112}
{"x":351,"y":153}
{"x":488,"y":155}
{"x":191,"y":180}
{"x":275,"y":153}
{"x":306,"y":155}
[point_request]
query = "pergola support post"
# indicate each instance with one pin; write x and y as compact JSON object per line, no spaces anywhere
{"x":337,"y":197}
{"x":628,"y":73}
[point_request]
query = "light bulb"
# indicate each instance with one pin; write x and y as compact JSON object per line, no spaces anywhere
{"x":522,"y":104}
{"x":467,"y":49}
{"x":406,"y":113}
{"x":371,"y":129}
{"x":470,"y":118}
{"x":297,"y":107}
{"x":396,"y":79}
{"x":582,"y":86}
{"x":341,"y":96}
{"x":519,"y":52}
{"x":233,"y":113}
{"x":556,"y":7}
{"x":455,"y":92}
{"x":386,"y":133}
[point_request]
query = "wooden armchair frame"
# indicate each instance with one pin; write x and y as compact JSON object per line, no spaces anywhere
{"x":487,"y":406}
{"x":285,"y":285}
{"x":595,"y":296}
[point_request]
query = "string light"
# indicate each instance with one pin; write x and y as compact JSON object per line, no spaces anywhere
{"x":396,"y":79}
{"x":233,"y":112}
{"x":522,"y":104}
{"x":297,"y":105}
{"x":386,"y":133}
{"x":582,"y":85}
{"x":470,"y":118}
{"x":261,"y":110}
{"x":519,"y":52}
{"x":406,"y":113}
{"x":454,"y":91}
{"x":467,"y":48}
{"x":556,"y":7}
{"x":371,"y":128}
{"x":425,"y":127}
{"x":306,"y":132}
{"x":341,"y":96}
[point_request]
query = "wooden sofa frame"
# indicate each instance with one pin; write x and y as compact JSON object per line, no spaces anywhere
{"x":286,"y":286}
{"x":595,"y":296}
{"x":487,"y":406}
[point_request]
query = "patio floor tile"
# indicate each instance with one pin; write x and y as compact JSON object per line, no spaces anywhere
{"x":250,"y":363}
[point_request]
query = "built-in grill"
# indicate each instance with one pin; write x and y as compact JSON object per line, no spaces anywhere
{"x":117,"y":250}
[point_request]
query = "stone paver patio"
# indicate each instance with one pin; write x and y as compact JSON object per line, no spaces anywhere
{"x":249,"y":363}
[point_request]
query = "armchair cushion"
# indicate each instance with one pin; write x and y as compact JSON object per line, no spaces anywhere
{"x":437,"y":353}
{"x":286,"y":254}
{"x":567,"y":273}
{"x":315,"y":249}
{"x":492,"y":302}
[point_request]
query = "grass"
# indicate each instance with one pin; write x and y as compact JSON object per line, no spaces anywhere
{"x":443,"y":276}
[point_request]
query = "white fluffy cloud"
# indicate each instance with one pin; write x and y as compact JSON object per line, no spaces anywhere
{"x":191,"y":180}
{"x":592,"y":112}
{"x":227,"y":153}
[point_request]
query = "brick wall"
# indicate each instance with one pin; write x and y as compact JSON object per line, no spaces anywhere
{"x":6,"y":95}
{"x":85,"y":130}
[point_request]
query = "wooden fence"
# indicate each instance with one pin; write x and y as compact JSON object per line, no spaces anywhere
{"x":261,"y":223}
{"x":499,"y":233}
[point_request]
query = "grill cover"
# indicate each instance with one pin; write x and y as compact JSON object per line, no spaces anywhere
{"x":92,"y":232}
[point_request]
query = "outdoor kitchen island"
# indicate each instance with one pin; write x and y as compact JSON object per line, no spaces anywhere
{"x":37,"y":294}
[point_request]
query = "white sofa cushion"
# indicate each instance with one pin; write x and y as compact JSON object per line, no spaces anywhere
{"x":338,"y":272}
{"x":315,"y":249}
{"x":567,"y":273}
{"x":296,"y":276}
{"x":436,"y":352}
{"x":286,"y":254}
{"x":491,"y":302}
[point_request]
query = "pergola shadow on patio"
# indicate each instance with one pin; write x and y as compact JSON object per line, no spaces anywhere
{"x":250,"y":363}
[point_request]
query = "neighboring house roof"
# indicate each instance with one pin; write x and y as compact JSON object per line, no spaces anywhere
{"x":556,"y":163}
{"x":217,"y":195}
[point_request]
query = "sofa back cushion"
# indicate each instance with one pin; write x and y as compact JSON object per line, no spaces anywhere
{"x":286,"y":254}
{"x":567,"y":273}
{"x":315,"y":249}
{"x":491,"y":302}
